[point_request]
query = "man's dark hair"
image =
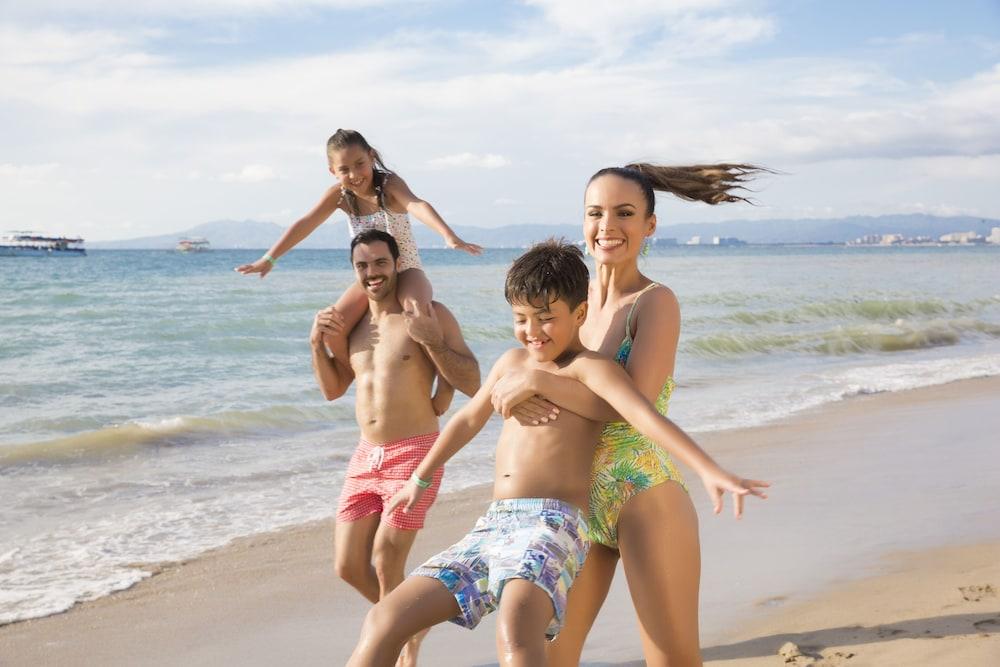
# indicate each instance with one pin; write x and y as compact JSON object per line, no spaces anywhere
{"x":370,"y":236}
{"x":549,"y":271}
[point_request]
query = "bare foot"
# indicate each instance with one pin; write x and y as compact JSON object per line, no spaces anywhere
{"x":408,"y":658}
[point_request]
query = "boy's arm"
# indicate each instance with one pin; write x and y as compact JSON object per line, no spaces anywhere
{"x":295,"y":234}
{"x":459,"y":430}
{"x":333,"y":375}
{"x":438,"y":332}
{"x":400,"y":192}
{"x":609,"y":381}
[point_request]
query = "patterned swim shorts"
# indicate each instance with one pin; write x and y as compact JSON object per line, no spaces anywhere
{"x":377,"y":472}
{"x":540,"y":540}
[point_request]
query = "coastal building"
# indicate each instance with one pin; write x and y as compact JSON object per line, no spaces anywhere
{"x":664,"y":241}
{"x":727,"y":241}
{"x":694,"y":240}
{"x":962,"y":238}
{"x":994,"y":236}
{"x":891,"y":239}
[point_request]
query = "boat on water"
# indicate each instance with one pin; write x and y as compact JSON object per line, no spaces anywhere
{"x":33,"y":244}
{"x":193,"y":245}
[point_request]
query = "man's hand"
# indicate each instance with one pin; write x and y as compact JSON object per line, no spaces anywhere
{"x":408,"y":496}
{"x":423,"y":327}
{"x":328,"y":322}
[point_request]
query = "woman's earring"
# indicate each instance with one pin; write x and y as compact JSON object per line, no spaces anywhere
{"x":645,"y":247}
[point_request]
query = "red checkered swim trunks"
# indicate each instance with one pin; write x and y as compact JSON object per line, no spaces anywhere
{"x":377,"y":472}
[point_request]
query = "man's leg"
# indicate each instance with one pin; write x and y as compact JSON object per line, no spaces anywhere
{"x":525,"y":613}
{"x":352,"y":554}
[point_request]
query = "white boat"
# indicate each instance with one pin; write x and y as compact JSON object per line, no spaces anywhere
{"x":193,"y":245}
{"x":33,"y":244}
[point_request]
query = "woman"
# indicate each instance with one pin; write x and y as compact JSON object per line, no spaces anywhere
{"x":640,"y":510}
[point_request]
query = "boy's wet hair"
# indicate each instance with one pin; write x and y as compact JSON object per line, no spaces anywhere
{"x":370,"y":236}
{"x":549,"y":271}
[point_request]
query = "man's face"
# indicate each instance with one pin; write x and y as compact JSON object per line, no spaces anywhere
{"x":375,"y":269}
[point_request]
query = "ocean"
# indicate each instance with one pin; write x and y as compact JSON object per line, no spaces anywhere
{"x":154,"y":405}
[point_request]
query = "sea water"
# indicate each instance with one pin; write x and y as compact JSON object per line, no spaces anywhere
{"x":154,"y":404}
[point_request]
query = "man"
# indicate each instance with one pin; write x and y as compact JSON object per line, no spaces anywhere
{"x":394,"y":357}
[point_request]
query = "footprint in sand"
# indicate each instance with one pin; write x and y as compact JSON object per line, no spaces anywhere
{"x":976,"y":593}
{"x":885,"y":631}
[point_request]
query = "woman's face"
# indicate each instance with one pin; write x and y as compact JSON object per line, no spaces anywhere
{"x":616,"y":221}
{"x":352,"y":166}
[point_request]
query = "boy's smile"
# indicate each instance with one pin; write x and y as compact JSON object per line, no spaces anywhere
{"x":547,"y":332}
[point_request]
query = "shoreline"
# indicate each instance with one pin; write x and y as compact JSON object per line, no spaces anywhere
{"x":265,"y":597}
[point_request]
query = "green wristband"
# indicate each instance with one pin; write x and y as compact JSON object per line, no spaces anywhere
{"x":419,"y":482}
{"x":270,"y":260}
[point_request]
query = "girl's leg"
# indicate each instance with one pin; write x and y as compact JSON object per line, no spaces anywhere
{"x":582,"y":604}
{"x":351,"y":305}
{"x":414,"y":292}
{"x":525,"y":612}
{"x":415,"y":605}
{"x":661,"y":555}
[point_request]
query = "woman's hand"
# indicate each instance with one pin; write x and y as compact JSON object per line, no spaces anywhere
{"x":535,"y":411}
{"x":718,"y":481}
{"x":261,"y":266}
{"x":471,"y":248}
{"x":515,"y":392}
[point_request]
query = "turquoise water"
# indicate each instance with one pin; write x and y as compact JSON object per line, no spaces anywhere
{"x":156,"y":404}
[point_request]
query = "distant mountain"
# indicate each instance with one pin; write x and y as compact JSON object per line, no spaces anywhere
{"x":225,"y":234}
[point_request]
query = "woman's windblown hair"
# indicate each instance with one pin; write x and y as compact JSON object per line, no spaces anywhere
{"x":709,"y":183}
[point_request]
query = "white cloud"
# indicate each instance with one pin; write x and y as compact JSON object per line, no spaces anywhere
{"x":252,"y":173}
{"x":484,"y":161}
{"x":185,"y":9}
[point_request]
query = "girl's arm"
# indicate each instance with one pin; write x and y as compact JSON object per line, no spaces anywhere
{"x":400,"y":193}
{"x":609,"y":381}
{"x":299,"y":230}
{"x":460,"y":429}
{"x":657,"y":326}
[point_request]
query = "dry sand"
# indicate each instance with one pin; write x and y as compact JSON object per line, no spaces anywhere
{"x":854,"y":482}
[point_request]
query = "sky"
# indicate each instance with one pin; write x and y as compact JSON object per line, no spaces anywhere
{"x":128,"y":118}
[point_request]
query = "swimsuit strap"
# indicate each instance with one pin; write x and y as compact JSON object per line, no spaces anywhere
{"x":628,"y":318}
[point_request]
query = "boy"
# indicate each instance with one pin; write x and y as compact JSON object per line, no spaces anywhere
{"x":523,"y":555}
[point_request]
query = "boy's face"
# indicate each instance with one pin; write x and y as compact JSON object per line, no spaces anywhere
{"x":547,"y":331}
{"x":353,"y":168}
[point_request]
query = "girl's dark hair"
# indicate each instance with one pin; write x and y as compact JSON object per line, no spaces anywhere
{"x":709,"y":183}
{"x":549,"y":271}
{"x":342,"y":139}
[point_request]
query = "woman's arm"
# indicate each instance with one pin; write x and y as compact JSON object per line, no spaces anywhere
{"x":400,"y":193}
{"x":656,"y":323}
{"x":295,"y":234}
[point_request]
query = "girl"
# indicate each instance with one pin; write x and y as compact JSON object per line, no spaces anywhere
{"x":373,"y":197}
{"x":640,"y":510}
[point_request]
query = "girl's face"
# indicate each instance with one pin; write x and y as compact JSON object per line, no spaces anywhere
{"x":354,"y":168}
{"x":615,"y":222}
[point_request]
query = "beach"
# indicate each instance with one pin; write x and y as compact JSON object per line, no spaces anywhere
{"x":879,"y":545}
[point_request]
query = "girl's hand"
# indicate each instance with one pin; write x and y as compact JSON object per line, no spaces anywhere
{"x":261,"y":266}
{"x":471,"y":248}
{"x":717,"y":482}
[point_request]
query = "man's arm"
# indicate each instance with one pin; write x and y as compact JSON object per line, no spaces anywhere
{"x":438,"y":333}
{"x":333,"y":375}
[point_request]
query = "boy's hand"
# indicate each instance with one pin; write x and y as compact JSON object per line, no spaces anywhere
{"x":423,"y":326}
{"x":717,"y":482}
{"x":408,"y":496}
{"x":471,"y":248}
{"x":261,"y":266}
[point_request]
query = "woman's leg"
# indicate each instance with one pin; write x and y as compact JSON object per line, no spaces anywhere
{"x":415,"y":605}
{"x":661,"y":555}
{"x":525,"y":613}
{"x":351,"y":305}
{"x":414,"y":292}
{"x":582,"y":604}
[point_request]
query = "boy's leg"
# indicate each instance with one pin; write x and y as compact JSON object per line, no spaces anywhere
{"x":388,"y":556}
{"x":352,"y":554}
{"x":415,"y":605}
{"x":525,"y":613}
